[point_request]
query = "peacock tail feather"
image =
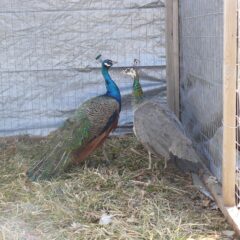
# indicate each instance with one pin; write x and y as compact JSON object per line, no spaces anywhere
{"x":68,"y":145}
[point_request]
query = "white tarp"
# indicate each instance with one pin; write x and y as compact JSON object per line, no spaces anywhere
{"x":48,"y":50}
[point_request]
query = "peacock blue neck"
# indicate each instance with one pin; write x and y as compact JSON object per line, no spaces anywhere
{"x":112,"y":88}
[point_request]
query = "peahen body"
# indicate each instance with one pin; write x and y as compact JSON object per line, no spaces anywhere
{"x":82,"y":133}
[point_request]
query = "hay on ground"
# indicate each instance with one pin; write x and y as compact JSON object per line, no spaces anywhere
{"x":158,"y":204}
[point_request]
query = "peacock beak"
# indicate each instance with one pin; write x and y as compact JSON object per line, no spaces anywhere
{"x":114,"y":62}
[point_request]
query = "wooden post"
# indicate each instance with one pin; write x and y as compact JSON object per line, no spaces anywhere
{"x":176,"y":56}
{"x":229,"y":101}
{"x":172,"y":42}
{"x":232,"y":214}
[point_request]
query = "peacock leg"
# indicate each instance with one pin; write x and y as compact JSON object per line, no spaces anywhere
{"x":105,"y":153}
{"x":165,"y":162}
{"x":149,"y":160}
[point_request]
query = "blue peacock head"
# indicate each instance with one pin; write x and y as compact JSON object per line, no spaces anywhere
{"x":105,"y":63}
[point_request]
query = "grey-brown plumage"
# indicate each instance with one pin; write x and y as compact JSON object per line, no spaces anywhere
{"x":158,"y":128}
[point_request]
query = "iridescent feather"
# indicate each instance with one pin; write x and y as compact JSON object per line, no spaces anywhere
{"x":82,"y":133}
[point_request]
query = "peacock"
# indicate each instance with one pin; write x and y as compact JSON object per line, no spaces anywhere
{"x":137,"y":98}
{"x":82,"y":133}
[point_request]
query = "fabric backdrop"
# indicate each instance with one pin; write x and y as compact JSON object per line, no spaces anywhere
{"x":48,"y":50}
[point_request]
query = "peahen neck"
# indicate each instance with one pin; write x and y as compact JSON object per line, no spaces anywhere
{"x":112,"y":88}
{"x":137,"y":90}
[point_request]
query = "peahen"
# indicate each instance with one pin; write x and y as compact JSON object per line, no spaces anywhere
{"x":137,"y":98}
{"x":82,"y":133}
{"x":159,"y":130}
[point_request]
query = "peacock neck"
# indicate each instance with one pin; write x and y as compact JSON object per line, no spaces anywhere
{"x":137,"y":90}
{"x":112,"y":88}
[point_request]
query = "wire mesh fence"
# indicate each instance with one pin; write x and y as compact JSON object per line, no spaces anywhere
{"x":48,"y":50}
{"x":201,"y":79}
{"x":201,"y":82}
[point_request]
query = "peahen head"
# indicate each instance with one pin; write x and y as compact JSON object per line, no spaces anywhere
{"x":132,"y":72}
{"x":137,"y":91}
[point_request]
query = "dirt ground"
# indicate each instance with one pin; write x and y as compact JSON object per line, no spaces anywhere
{"x":139,"y":203}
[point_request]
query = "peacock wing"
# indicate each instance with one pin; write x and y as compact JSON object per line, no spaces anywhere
{"x":93,"y":118}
